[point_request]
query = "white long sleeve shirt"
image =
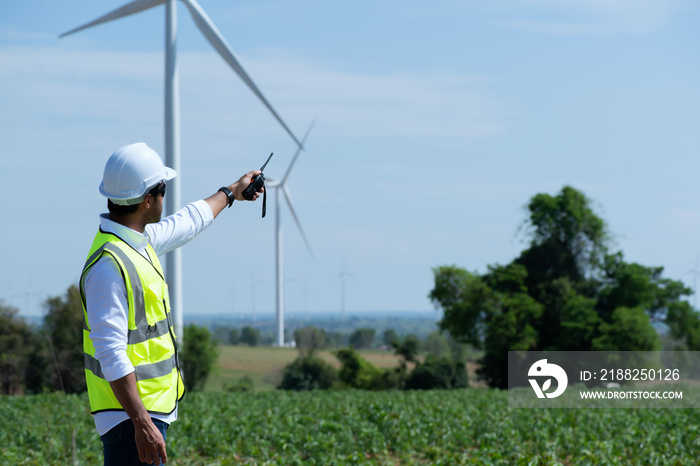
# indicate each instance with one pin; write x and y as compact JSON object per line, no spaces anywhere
{"x":106,"y":296}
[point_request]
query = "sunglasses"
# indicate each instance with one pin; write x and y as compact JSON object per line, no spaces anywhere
{"x":159,"y":189}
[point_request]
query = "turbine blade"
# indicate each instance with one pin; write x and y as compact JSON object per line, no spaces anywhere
{"x":212,"y":34}
{"x":288,"y":197}
{"x":294,"y":159}
{"x":126,"y":10}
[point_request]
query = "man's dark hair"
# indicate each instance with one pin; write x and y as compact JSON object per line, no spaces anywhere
{"x":121,"y":209}
{"x":130,"y":209}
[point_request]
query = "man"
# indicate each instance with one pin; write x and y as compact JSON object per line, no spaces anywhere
{"x":131,"y":356}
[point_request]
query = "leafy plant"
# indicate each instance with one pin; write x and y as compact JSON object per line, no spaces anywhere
{"x":362,"y":428}
{"x":308,"y":372}
{"x":198,"y":356}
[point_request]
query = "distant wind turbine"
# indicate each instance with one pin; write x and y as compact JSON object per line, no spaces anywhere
{"x":695,"y":272}
{"x":306,"y":292}
{"x":281,"y":186}
{"x":29,"y":293}
{"x":252,"y":292}
{"x":172,"y":110}
{"x":341,"y":277}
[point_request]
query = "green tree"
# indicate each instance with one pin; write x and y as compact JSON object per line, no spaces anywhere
{"x":510,"y":323}
{"x":337,"y":339}
{"x":407,"y":347}
{"x":357,"y":372}
{"x":250,"y":336}
{"x":566,"y":291}
{"x":198,"y":356}
{"x":310,"y":338}
{"x":437,"y":373}
{"x":389,"y":337}
{"x":684,"y":326}
{"x":628,"y":328}
{"x":567,"y":238}
{"x":23,"y":361}
{"x":362,"y":338}
{"x":458,"y":351}
{"x":234,"y":336}
{"x":568,"y":246}
{"x":436,"y":344}
{"x":63,"y":331}
{"x":308,"y":372}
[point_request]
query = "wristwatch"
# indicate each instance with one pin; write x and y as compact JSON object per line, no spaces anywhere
{"x":229,"y":194}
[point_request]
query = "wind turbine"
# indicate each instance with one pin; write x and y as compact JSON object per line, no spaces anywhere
{"x":306,"y":292}
{"x":172,"y":110}
{"x":281,"y":186}
{"x":253,"y":286}
{"x":341,"y":277}
{"x":695,"y":272}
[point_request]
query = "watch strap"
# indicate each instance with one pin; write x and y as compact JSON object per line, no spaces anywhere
{"x":229,"y":194}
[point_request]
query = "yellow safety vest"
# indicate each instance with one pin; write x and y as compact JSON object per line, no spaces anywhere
{"x":151,"y":345}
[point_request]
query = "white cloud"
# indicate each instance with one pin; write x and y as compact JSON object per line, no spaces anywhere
{"x":592,"y":16}
{"x":62,"y":83}
{"x":431,"y":104}
{"x":12,"y":33}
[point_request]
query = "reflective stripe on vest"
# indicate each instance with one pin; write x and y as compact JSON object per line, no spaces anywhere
{"x":143,"y":372}
{"x":143,"y":331}
{"x":151,"y":347}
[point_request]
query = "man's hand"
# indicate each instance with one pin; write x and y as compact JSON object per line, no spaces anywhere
{"x":149,"y":442}
{"x":239,"y":186}
{"x":219,"y":201}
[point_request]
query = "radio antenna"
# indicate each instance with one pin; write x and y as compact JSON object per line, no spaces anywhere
{"x":265,"y":164}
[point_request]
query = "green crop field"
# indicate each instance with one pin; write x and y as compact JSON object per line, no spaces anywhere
{"x":469,"y":426}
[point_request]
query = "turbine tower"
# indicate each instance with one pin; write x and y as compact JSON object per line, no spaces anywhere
{"x":281,"y":186}
{"x":253,"y":286}
{"x":695,"y":272}
{"x":172,"y":111}
{"x":341,"y":277}
{"x":306,"y":292}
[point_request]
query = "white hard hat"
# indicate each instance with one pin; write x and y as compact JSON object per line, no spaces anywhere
{"x":131,"y":171}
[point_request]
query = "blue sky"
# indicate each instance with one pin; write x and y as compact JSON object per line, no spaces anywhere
{"x":435,"y":123}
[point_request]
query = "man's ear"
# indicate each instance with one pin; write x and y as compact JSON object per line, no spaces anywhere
{"x":148,"y":201}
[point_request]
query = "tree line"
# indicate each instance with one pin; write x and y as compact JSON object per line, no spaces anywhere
{"x":442,"y":368}
{"x":311,"y":336}
{"x":49,"y":356}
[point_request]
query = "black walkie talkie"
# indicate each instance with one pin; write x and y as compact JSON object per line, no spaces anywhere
{"x":256,"y":184}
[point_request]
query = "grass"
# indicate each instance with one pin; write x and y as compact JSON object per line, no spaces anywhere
{"x":264,"y":365}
